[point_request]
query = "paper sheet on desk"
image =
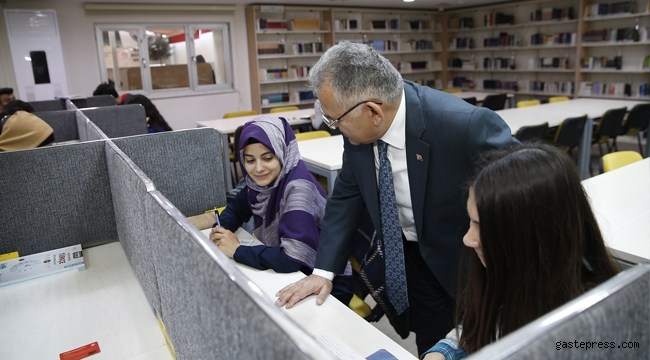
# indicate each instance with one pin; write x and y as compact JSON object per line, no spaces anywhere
{"x":337,"y":348}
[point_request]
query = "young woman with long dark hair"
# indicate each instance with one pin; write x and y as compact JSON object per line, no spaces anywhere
{"x":536,"y":245}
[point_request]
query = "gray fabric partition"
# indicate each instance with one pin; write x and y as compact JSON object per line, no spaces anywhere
{"x":118,"y":121}
{"x":186,"y":166}
{"x":52,"y":197}
{"x":88,"y":131}
{"x":49,"y":105}
{"x":129,"y":187}
{"x":94,"y":101}
{"x":64,"y":123}
{"x":611,"y":317}
{"x":209,"y":309}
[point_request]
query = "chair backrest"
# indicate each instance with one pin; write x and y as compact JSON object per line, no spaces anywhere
{"x":637,"y":120}
{"x":452,"y":91}
{"x":610,"y":125}
{"x":471,"y":100}
{"x":570,"y":132}
{"x":94,"y":101}
{"x":554,"y":99}
{"x":495,"y":102}
{"x":526,"y":103}
{"x":619,"y":159}
{"x":608,"y":322}
{"x":532,"y":132}
{"x":233,"y":114}
{"x":236,"y":143}
{"x":284,"y":108}
{"x":312,"y":135}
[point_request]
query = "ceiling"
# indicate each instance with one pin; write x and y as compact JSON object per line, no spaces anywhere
{"x":396,"y":4}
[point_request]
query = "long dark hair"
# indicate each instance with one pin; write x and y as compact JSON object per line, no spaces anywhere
{"x":540,"y":240}
{"x":156,"y":121}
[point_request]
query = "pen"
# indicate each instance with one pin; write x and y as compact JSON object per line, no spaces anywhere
{"x":216,"y":215}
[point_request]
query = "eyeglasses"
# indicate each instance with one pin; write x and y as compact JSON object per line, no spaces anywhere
{"x":331,"y":122}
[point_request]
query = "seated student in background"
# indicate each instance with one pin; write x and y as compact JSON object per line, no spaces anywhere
{"x":6,"y":95}
{"x":13,"y":106}
{"x":536,"y":245}
{"x":286,"y":202}
{"x":108,"y":89}
{"x":155,"y":121}
{"x":23,"y":130}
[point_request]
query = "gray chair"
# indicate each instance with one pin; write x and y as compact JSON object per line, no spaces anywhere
{"x":608,"y":128}
{"x":636,"y":123}
{"x":610,"y":316}
{"x":495,"y":102}
{"x":533,"y":132}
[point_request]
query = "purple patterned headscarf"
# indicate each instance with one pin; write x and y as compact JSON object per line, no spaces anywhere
{"x":289,"y":211}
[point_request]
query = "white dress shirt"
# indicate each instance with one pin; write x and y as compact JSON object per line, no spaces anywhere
{"x":395,"y":137}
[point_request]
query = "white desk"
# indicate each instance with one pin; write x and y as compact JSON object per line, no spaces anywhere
{"x":227,"y":127}
{"x":323,"y":156}
{"x":105,"y":303}
{"x":621,"y":201}
{"x":555,"y":113}
{"x":332,"y":317}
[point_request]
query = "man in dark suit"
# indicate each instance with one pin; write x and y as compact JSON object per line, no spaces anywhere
{"x":433,"y":141}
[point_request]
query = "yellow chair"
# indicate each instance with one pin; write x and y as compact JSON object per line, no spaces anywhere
{"x":452,"y":91}
{"x":284,"y":108}
{"x":527,"y":103}
{"x":312,"y":135}
{"x":619,"y":159}
{"x":239,"y":113}
{"x":554,"y":99}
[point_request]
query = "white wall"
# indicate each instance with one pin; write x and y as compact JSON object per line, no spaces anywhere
{"x":80,"y":53}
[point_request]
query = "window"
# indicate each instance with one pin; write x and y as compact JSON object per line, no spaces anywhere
{"x":175,"y":58}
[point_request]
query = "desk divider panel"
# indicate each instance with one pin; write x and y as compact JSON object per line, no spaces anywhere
{"x":129,"y":187}
{"x":94,"y":101}
{"x":64,"y":123}
{"x":209,"y":308}
{"x":118,"y":121}
{"x":88,"y":131}
{"x":53,"y":197}
{"x":616,"y":311}
{"x":49,"y":105}
{"x":186,"y":166}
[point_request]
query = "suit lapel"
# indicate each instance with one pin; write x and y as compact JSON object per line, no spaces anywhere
{"x":363,"y":157}
{"x":417,"y":155}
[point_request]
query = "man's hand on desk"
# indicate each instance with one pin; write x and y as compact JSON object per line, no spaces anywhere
{"x":225,"y":240}
{"x":312,"y":284}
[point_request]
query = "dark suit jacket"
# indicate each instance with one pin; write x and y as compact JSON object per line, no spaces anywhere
{"x":444,"y":137}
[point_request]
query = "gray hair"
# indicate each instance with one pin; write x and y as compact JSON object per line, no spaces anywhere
{"x":356,"y":72}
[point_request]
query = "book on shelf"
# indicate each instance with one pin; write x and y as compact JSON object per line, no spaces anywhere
{"x":345,"y":24}
{"x":551,"y":13}
{"x":274,"y":98}
{"x":392,"y":24}
{"x":420,"y":25}
{"x":270,"y":48}
{"x":299,"y":71}
{"x":304,"y":24}
{"x":271,"y":24}
{"x":273,"y":74}
{"x":595,"y":10}
{"x":42,"y":264}
{"x":306,"y":48}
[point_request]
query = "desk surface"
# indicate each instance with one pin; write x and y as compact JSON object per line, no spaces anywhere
{"x":105,"y":303}
{"x":228,"y":126}
{"x":555,"y":113}
{"x":326,"y":152}
{"x":332,"y":317}
{"x":621,"y":201}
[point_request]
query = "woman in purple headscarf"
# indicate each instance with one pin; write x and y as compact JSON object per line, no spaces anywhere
{"x":286,"y":202}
